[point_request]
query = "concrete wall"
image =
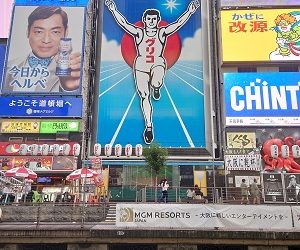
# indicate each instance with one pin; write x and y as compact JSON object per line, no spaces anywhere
{"x":87,"y":247}
{"x":51,"y":213}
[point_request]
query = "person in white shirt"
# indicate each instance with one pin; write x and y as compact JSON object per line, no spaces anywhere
{"x":164,"y":190}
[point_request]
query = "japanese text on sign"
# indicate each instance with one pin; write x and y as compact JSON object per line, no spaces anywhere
{"x":248,"y":22}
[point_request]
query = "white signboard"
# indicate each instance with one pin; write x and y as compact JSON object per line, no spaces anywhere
{"x":228,"y":217}
{"x":243,"y":162}
{"x":296,"y":216}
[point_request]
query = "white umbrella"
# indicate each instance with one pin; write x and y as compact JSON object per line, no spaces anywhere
{"x":21,"y":172}
{"x":81,"y":174}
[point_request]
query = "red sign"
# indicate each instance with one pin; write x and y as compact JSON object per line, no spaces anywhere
{"x":9,"y":148}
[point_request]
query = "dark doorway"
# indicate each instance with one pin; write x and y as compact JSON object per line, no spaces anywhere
{"x":132,"y":247}
{"x":43,"y":247}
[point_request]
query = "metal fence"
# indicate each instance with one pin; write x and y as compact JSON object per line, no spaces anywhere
{"x":91,"y":195}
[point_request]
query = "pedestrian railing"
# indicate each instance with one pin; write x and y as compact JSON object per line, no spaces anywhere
{"x":77,"y":195}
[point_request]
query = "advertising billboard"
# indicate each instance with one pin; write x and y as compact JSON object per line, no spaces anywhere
{"x":260,"y":35}
{"x":49,"y":61}
{"x":28,"y":106}
{"x":52,"y":127}
{"x":273,"y":188}
{"x":256,"y":99}
{"x":73,"y":3}
{"x":5,"y":15}
{"x":12,"y":148}
{"x":20,"y":126}
{"x":292,"y":188}
{"x":39,"y":163}
{"x":247,"y":3}
{"x":151,"y":86}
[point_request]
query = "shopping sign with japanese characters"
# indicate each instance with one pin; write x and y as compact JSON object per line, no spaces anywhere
{"x":243,"y":162}
{"x":52,"y":127}
{"x":20,"y":126}
{"x":28,"y":106}
{"x":269,"y":99}
{"x":241,"y":140}
{"x":260,"y":35}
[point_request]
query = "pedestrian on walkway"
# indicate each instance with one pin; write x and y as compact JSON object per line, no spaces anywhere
{"x":164,"y":190}
{"x":254,"y":192}
{"x":244,"y":192}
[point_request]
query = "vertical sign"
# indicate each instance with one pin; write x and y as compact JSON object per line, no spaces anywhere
{"x":273,"y":188}
{"x":50,"y":58}
{"x":152,"y":83}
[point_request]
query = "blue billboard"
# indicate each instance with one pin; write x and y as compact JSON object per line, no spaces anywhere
{"x":151,"y":85}
{"x":269,"y":99}
{"x":22,"y":106}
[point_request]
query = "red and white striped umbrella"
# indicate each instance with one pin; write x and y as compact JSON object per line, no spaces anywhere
{"x":82,"y":173}
{"x":21,"y":172}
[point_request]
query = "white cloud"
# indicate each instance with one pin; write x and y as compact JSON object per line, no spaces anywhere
{"x":111,"y":50}
{"x":192,"y":47}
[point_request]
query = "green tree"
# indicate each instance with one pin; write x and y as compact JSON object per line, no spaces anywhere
{"x":155,"y":157}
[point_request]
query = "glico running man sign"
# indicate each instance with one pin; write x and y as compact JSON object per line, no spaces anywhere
{"x":151,"y":86}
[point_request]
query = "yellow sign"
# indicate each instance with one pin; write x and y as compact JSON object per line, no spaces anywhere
{"x":241,"y":140}
{"x":260,"y":35}
{"x":20,"y":126}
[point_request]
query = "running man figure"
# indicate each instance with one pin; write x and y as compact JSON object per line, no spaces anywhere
{"x":150,"y":66}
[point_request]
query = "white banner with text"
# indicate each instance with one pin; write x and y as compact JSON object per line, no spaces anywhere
{"x":235,"y":217}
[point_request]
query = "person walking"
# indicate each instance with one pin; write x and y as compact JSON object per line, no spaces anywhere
{"x":244,"y":192}
{"x":164,"y":190}
{"x":254,"y":192}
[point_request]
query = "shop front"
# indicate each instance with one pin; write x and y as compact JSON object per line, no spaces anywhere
{"x":133,"y":181}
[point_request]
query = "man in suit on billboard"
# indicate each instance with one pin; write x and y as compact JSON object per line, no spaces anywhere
{"x":47,"y":25}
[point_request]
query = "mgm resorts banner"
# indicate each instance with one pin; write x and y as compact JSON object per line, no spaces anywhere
{"x":235,"y":217}
{"x":268,"y":99}
{"x":45,"y":51}
{"x":260,"y":35}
